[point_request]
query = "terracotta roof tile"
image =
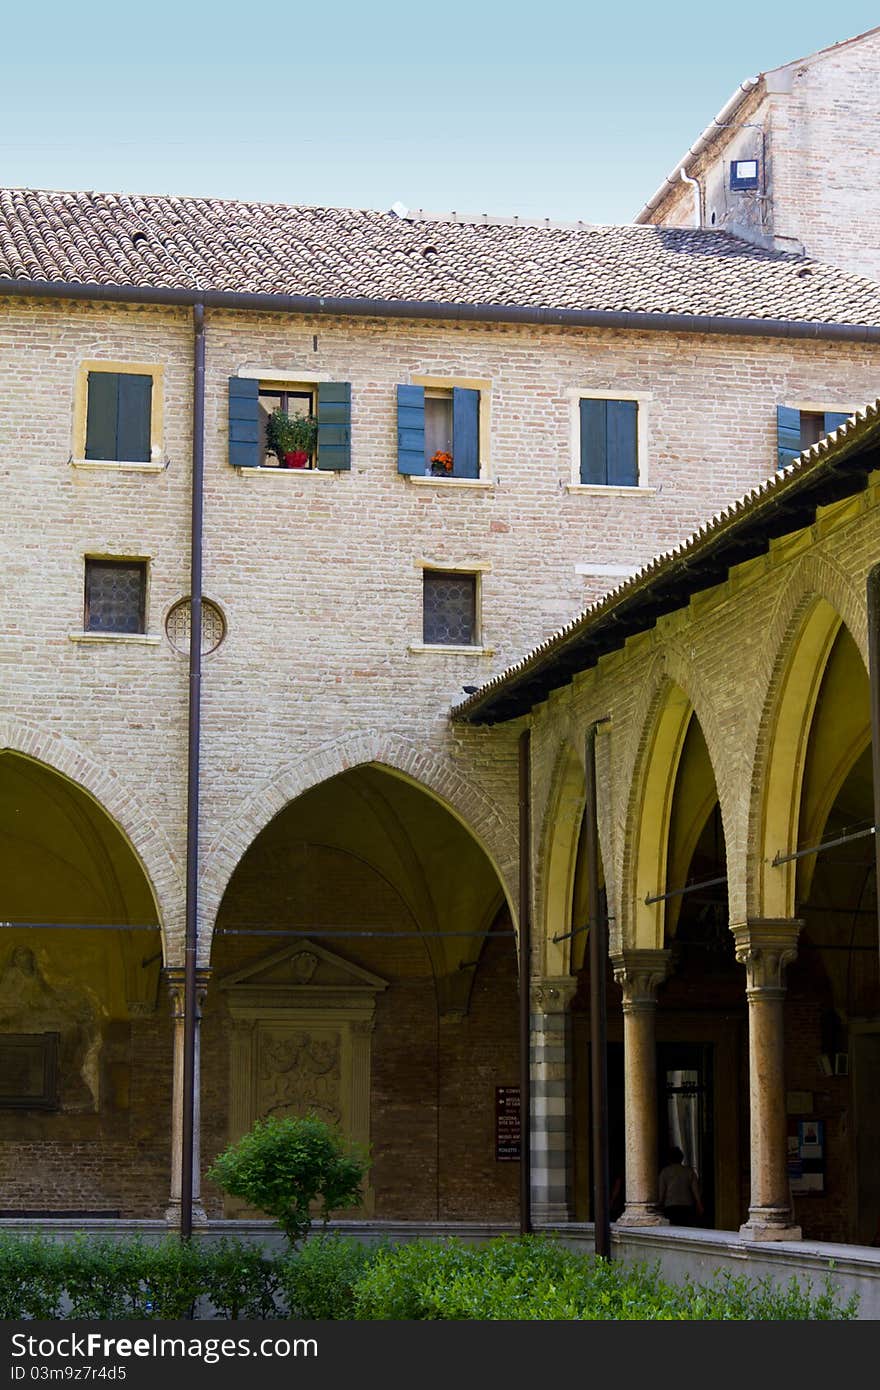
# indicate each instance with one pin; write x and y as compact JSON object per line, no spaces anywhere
{"x":212,"y":244}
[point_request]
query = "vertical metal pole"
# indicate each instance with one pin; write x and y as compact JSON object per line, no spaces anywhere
{"x":525,"y":954}
{"x":598,"y":1015}
{"x":874,"y":675}
{"x":190,"y":1004}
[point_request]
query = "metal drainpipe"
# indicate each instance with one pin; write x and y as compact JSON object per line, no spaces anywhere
{"x":874,"y":674}
{"x":192,"y":796}
{"x":525,"y":955}
{"x":598,"y":1015}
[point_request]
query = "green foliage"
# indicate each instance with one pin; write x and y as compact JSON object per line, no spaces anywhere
{"x":240,"y":1280}
{"x":318,"y":1281}
{"x":284,"y":1166}
{"x":287,"y":433}
{"x":31,"y":1277}
{"x":537,"y":1278}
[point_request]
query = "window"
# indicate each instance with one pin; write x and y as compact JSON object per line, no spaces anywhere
{"x":449,"y":609}
{"x":442,"y":429}
{"x":609,"y":442}
{"x":252,"y":401}
{"x":115,"y":595}
{"x":798,"y":428}
{"x":118,"y":415}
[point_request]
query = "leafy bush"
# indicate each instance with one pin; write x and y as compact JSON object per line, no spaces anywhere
{"x":536,"y":1278}
{"x":283,"y":1166}
{"x":240,"y":1280}
{"x":318,"y":1280}
{"x":31,"y":1277}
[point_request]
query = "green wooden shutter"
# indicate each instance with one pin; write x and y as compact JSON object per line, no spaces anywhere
{"x":621,"y":443}
{"x":411,"y":429}
{"x":101,"y":415}
{"x":833,"y":418}
{"x":133,"y":416}
{"x":788,"y":435}
{"x":244,"y":422}
{"x":465,"y":433}
{"x":594,"y":465}
{"x":334,"y":425}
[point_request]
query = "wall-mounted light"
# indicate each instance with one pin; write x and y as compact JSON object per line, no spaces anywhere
{"x":744,"y":173}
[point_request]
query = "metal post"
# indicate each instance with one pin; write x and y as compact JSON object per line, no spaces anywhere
{"x":874,"y":675}
{"x":525,"y":953}
{"x":598,"y":1015}
{"x":190,"y":1004}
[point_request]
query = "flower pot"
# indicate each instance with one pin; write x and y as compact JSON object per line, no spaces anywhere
{"x":297,"y":458}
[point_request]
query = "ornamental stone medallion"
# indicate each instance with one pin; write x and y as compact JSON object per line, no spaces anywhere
{"x":301,"y":1040}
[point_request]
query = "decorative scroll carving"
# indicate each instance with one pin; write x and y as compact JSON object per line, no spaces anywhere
{"x":640,"y":974}
{"x":300,"y":1074}
{"x":766,"y":948}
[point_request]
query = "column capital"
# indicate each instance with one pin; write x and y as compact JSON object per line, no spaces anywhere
{"x":175,"y":980}
{"x":553,"y":994}
{"x":640,"y":973}
{"x":766,"y":946}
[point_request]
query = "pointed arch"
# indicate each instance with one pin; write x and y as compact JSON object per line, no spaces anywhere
{"x":480,"y":816}
{"x":140,"y":830}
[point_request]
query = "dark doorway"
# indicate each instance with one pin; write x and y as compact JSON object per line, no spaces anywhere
{"x":684,"y":1093}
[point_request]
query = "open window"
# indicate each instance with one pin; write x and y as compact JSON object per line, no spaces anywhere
{"x":252,"y":402}
{"x":799,"y":427}
{"x":441,"y":429}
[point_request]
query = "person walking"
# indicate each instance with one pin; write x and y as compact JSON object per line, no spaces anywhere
{"x":679,"y":1191}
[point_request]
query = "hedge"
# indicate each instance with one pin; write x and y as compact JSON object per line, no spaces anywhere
{"x":336,"y":1278}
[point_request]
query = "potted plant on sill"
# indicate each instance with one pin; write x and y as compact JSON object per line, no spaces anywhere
{"x":291,"y":438}
{"x":441,"y":464}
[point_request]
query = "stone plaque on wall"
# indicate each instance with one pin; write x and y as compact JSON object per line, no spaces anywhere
{"x":302,"y":1032}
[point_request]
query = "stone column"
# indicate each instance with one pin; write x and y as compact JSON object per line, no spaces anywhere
{"x":552,"y":1098}
{"x":765,"y":947}
{"x":175,"y":981}
{"x":640,"y":974}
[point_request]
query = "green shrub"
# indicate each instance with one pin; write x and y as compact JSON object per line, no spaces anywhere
{"x":318,"y":1280}
{"x":31,"y":1277}
{"x":240,"y":1280}
{"x":284,"y":1166}
{"x":537,"y":1278}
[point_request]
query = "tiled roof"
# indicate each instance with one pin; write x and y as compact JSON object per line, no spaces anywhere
{"x":176,"y":243}
{"x":550,"y":664}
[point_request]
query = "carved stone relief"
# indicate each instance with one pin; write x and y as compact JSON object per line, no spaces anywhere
{"x":301,"y":1041}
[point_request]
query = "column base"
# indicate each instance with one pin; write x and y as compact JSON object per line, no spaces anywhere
{"x":551,"y":1213}
{"x":770,"y":1223}
{"x":172,"y":1214}
{"x":641,"y":1214}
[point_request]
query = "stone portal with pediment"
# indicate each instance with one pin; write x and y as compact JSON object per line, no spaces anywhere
{"x":302,"y":1034}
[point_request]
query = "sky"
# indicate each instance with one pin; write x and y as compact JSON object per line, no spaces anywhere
{"x":560,"y":110}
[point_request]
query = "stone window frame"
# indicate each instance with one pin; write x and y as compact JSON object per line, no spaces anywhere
{"x":154,"y":370}
{"x":477,"y":568}
{"x":436,"y":383}
{"x":644,"y":400}
{"x":89,"y":635}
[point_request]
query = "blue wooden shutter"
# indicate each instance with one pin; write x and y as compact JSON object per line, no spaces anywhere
{"x":788,"y":435}
{"x":244,"y":422}
{"x":411,"y":429}
{"x":334,"y":425}
{"x":594,"y":466}
{"x":101,"y":412}
{"x":833,"y":418}
{"x":465,"y":433}
{"x":621,"y":443}
{"x":133,"y":415}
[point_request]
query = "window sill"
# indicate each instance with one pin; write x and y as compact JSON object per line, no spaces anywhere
{"x":478,"y":484}
{"x":134,"y":639}
{"x":447,"y":651}
{"x":117,"y":466}
{"x":270,"y":471}
{"x":613,"y":490}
